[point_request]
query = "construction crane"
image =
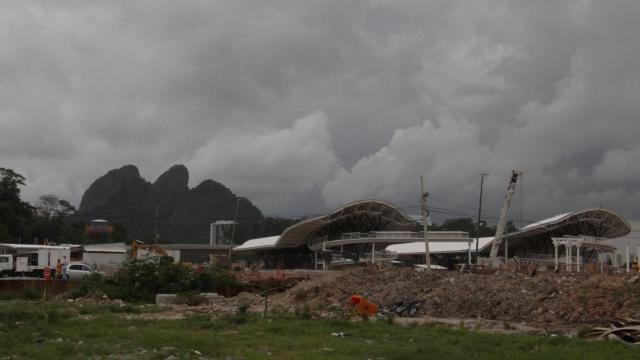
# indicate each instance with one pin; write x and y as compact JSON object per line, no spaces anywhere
{"x":502,"y":222}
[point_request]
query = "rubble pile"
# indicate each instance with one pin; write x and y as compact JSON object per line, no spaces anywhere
{"x":626,"y":330}
{"x":546,"y":300}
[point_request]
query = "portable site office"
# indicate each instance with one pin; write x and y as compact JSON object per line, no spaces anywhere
{"x":33,"y":259}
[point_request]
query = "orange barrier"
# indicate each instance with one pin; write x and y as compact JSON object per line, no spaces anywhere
{"x":47,"y":273}
{"x":363,"y":306}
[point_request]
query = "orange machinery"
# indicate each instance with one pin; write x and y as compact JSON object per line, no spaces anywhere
{"x":136,"y":245}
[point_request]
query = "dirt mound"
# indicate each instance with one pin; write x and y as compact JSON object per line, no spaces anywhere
{"x":547,"y":300}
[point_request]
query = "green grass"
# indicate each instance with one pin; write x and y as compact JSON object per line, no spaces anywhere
{"x":61,"y":331}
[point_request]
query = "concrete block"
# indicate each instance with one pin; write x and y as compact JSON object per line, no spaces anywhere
{"x":212,"y":298}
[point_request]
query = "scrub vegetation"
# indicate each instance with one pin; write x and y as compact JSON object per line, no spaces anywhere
{"x":65,"y":330}
{"x":140,"y":280}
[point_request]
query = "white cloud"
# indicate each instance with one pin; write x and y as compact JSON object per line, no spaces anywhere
{"x":547,"y":87}
{"x":447,"y":152}
{"x":619,"y":166}
{"x":273,"y":168}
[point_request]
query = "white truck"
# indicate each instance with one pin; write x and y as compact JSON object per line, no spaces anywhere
{"x":12,"y":265}
{"x":31,"y":260}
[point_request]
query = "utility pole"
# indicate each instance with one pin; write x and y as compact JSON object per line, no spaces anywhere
{"x":156,"y":232}
{"x":479,"y":214}
{"x":425,"y":221}
{"x":233,"y":230}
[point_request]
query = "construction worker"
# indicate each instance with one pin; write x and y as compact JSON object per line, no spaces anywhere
{"x":58,"y":270}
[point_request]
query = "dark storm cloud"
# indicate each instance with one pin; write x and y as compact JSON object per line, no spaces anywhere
{"x":292,"y":102}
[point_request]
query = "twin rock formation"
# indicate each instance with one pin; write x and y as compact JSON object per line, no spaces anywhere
{"x":123,"y":197}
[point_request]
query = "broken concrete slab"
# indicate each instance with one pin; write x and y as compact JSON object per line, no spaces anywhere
{"x":212,"y":298}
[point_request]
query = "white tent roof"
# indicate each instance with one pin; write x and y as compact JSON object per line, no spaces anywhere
{"x":593,"y":221}
{"x":36,"y":247}
{"x":546,"y":221}
{"x":260,"y":243}
{"x":106,"y":248}
{"x":438,"y":247}
{"x":389,"y":216}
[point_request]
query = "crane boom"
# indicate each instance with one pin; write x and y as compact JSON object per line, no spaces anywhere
{"x":502,"y":222}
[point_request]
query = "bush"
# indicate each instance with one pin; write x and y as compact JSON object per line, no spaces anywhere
{"x":90,"y":284}
{"x":191,"y":298}
{"x":211,"y":279}
{"x":141,"y":280}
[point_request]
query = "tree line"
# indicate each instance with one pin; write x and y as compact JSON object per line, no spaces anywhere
{"x":43,"y":222}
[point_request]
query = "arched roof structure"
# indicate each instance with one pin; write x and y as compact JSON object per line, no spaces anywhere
{"x":362,"y":216}
{"x":536,"y":237}
{"x":375,"y":215}
{"x":594,"y":221}
{"x":597,"y":222}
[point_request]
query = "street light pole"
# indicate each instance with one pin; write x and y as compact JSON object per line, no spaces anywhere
{"x":156,"y":227}
{"x":425,"y":219}
{"x":479,"y":214}
{"x":233,"y":231}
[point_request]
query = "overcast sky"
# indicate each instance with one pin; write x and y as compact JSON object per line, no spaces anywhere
{"x":304,"y":105}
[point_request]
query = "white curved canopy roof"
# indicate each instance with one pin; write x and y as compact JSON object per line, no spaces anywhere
{"x":385,"y":216}
{"x":364,"y":215}
{"x":439,"y":247}
{"x":258,"y":244}
{"x":593,"y":222}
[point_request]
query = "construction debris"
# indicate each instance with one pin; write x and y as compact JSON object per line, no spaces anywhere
{"x":551,"y":301}
{"x":406,"y":308}
{"x":626,"y":330}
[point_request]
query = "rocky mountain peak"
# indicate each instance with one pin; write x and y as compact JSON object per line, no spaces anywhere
{"x":171,"y":184}
{"x":101,"y":190}
{"x":181,"y":214}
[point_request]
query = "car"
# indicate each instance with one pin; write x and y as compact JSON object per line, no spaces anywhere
{"x":78,"y":271}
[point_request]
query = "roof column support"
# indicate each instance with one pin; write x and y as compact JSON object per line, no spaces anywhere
{"x":469,"y":254}
{"x":373,"y":252}
{"x":601,"y":262}
{"x":324,"y":248}
{"x":627,"y":256}
{"x":555,"y":248}
{"x":578,"y":260}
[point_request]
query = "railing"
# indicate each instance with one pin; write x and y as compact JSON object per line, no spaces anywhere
{"x":408,"y":235}
{"x":581,"y":241}
{"x":353,"y":235}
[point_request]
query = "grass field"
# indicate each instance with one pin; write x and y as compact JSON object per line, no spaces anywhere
{"x":33,"y":330}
